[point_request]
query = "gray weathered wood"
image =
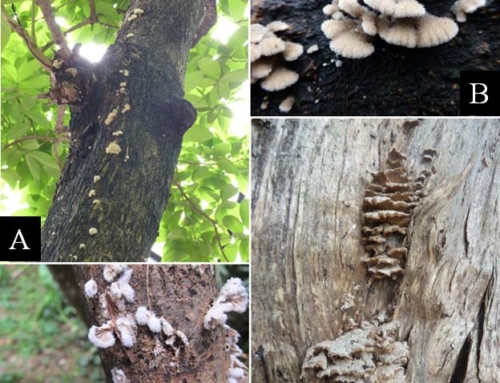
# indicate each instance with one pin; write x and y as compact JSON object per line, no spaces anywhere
{"x":308,"y":180}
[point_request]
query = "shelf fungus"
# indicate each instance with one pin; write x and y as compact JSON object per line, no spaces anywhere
{"x":353,"y":24}
{"x":102,"y":336}
{"x":238,"y":371}
{"x":269,"y":55}
{"x":367,"y":354}
{"x":388,"y":205}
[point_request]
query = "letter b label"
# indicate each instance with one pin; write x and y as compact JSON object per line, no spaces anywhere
{"x":480,"y":93}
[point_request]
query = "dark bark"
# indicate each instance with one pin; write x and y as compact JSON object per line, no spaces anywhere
{"x":66,"y":279}
{"x":308,"y":182}
{"x":394,"y":81}
{"x":182,"y":295}
{"x":133,"y":189}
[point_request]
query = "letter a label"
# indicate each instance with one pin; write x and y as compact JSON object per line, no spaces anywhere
{"x":19,"y":239}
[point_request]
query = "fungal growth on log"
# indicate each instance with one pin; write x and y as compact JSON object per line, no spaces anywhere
{"x":398,"y":22}
{"x":366,"y":354}
{"x":269,"y":54}
{"x":388,"y":205}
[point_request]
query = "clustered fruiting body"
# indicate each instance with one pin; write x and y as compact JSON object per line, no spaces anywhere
{"x":269,"y":54}
{"x":387,"y":211}
{"x":366,"y":354}
{"x":232,"y":297}
{"x":398,"y":22}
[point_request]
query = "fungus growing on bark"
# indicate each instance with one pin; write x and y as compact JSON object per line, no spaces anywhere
{"x":103,"y":336}
{"x":132,"y":17}
{"x":90,"y":288}
{"x":370,"y":353}
{"x":113,"y":148}
{"x":398,"y":22}
{"x":287,"y":104}
{"x":312,"y":49}
{"x":114,"y":270}
{"x":462,"y":7}
{"x":232,"y":297}
{"x":92,"y":231}
{"x":118,"y":376}
{"x":129,"y":35}
{"x":268,"y":54}
{"x":126,"y":108}
{"x":97,"y":178}
{"x":127,"y":328}
{"x":92,"y":193}
{"x":117,"y":133}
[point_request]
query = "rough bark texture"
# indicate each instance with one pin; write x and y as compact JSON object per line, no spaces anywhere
{"x":126,"y":204}
{"x":308,"y":179}
{"x":182,"y":295}
{"x":394,"y":81}
{"x":66,"y":278}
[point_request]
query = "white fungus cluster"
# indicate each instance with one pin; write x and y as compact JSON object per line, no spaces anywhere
{"x":367,"y":354}
{"x":119,"y":376}
{"x":238,"y":371}
{"x":269,"y":54}
{"x":406,"y":23}
{"x":232,"y":297}
{"x":145,"y":317}
{"x":121,"y":324}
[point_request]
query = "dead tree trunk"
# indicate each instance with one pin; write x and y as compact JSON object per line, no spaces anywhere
{"x":393,"y":81}
{"x":309,"y":284}
{"x":127,"y":125}
{"x":180,"y":294}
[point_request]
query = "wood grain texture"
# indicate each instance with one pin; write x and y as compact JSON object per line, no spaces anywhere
{"x":308,"y":182}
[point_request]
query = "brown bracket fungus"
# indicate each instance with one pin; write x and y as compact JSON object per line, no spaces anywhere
{"x":388,"y":205}
{"x":367,"y":354}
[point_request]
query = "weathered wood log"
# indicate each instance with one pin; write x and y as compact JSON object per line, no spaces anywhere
{"x":309,"y":178}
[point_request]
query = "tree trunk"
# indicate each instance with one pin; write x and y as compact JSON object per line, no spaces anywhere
{"x":393,"y":81}
{"x":309,"y":179}
{"x":116,"y":180}
{"x":180,"y":294}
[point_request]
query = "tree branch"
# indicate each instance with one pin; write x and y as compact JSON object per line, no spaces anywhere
{"x":37,"y":53}
{"x":57,"y":35}
{"x":202,"y":213}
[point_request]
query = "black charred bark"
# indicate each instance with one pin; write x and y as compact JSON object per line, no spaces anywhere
{"x":394,"y":81}
{"x":122,"y":196}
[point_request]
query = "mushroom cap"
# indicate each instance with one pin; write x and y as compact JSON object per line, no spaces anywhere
{"x":369,"y":23}
{"x":402,"y":32}
{"x":257,"y":32}
{"x":292,"y":51}
{"x":287,"y":104}
{"x":330,"y":9}
{"x":333,"y":28}
{"x":397,"y":8}
{"x":433,"y":30}
{"x":352,"y":44}
{"x":277,"y":26}
{"x":280,"y":78}
{"x":255,"y":52}
{"x":352,"y":7}
{"x":103,"y":336}
{"x":262,"y":67}
{"x":271,"y":46}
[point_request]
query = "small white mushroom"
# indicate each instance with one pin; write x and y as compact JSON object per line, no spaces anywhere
{"x":330,"y":9}
{"x":257,"y":32}
{"x":113,"y":148}
{"x":138,"y":11}
{"x":287,"y":104}
{"x":271,"y":46}
{"x":119,"y":376}
{"x":132,"y":17}
{"x":90,"y":288}
{"x":113,"y":270}
{"x":277,"y":26}
{"x":129,"y":35}
{"x":262,"y":67}
{"x":397,"y":8}
{"x":292,"y":51}
{"x":92,"y":193}
{"x":126,"y":108}
{"x":126,"y":327}
{"x":123,"y":84}
{"x":102,"y":336}
{"x":280,"y":78}
{"x":92,"y":231}
{"x":82,"y":246}
{"x":97,"y":178}
{"x":462,"y":7}
{"x":312,"y":49}
{"x":117,"y":133}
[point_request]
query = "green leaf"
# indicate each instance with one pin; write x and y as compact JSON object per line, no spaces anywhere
{"x":228,"y":191}
{"x":233,"y":223}
{"x":6,"y":31}
{"x":237,"y":76}
{"x":33,"y":166}
{"x":245,"y":212}
{"x":244,"y":249}
{"x":210,"y":67}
